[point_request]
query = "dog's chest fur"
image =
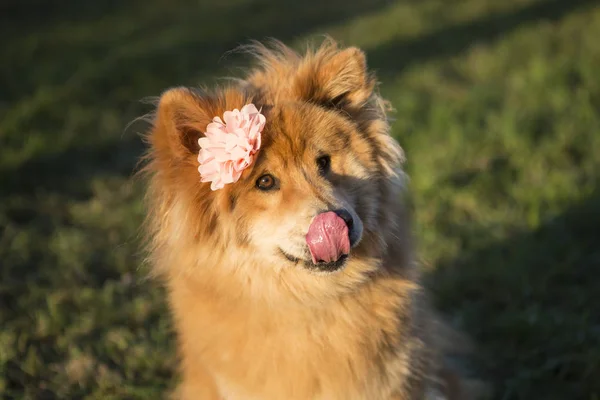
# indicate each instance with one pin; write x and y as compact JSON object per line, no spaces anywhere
{"x":354,"y":347}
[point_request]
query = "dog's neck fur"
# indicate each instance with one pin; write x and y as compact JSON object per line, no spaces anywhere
{"x":351,"y":339}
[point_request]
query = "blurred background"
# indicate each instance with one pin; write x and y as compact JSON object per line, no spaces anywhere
{"x":497,"y":107}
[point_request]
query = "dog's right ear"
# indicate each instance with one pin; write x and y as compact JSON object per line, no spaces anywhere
{"x":335,"y":78}
{"x":181,"y":118}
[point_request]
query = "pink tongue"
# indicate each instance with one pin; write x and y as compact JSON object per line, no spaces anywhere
{"x":327,"y":238}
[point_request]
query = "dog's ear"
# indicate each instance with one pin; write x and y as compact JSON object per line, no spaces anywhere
{"x":336,"y":79}
{"x":181,"y":118}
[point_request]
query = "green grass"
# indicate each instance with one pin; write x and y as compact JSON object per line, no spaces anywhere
{"x":498,"y":109}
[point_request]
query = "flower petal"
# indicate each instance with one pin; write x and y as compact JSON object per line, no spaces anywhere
{"x":229,"y":145}
{"x":249,"y":109}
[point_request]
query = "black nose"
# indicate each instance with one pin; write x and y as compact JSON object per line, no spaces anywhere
{"x":345,"y":215}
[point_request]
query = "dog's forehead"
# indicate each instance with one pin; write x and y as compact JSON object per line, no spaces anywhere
{"x":300,"y":127}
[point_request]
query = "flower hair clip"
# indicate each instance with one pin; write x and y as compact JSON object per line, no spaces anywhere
{"x":229,"y":145}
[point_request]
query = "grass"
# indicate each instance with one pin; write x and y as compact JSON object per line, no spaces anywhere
{"x":497,"y":107}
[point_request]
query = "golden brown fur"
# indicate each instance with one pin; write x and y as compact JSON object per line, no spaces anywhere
{"x":252,"y":324}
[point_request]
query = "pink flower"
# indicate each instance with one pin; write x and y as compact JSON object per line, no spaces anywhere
{"x":229,"y":147}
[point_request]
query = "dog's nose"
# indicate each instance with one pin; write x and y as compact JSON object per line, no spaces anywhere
{"x":345,"y":215}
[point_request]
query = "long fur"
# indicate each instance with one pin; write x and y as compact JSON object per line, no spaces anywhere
{"x":252,"y":324}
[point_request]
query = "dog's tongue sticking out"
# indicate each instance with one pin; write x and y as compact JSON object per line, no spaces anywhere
{"x":327,"y":238}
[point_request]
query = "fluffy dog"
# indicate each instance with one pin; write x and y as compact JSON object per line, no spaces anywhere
{"x":296,"y":280}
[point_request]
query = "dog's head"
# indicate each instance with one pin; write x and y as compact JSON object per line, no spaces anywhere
{"x":319,"y":195}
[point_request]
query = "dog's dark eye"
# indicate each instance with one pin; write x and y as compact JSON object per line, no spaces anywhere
{"x":324,"y":164}
{"x":265,"y":182}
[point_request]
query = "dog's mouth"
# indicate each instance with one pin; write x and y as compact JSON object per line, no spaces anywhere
{"x":319,"y":266}
{"x":330,"y":237}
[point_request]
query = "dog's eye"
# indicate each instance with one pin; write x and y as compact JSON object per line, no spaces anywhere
{"x":265,"y":182}
{"x":324,"y":164}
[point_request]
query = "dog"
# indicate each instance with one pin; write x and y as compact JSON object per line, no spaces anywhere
{"x":290,"y":270}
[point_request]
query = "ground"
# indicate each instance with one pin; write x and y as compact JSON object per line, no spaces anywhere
{"x":497,"y":107}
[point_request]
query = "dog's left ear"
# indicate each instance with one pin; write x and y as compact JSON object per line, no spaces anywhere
{"x":181,"y":117}
{"x":337,"y":79}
